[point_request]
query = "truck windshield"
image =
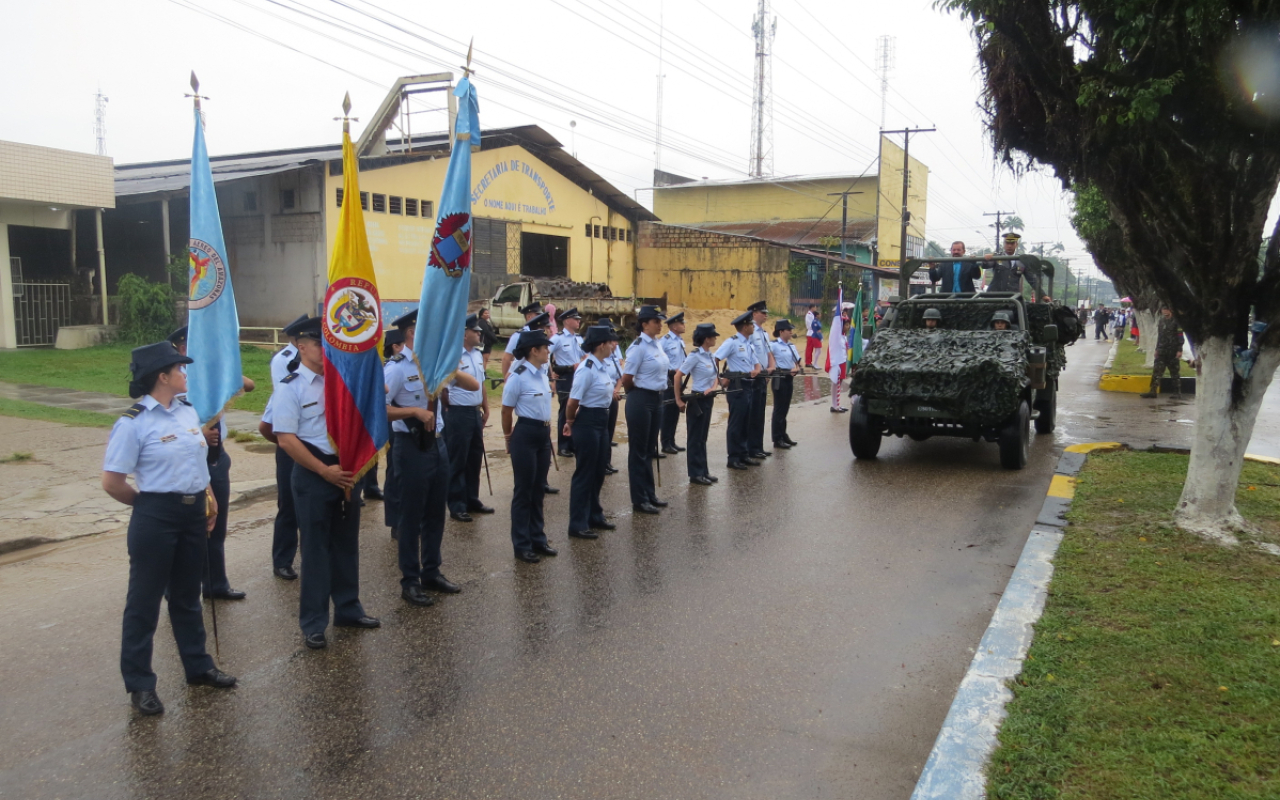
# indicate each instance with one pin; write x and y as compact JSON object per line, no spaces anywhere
{"x":509,"y":294}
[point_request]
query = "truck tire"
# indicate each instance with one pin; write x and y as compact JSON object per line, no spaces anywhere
{"x":1015,"y":438}
{"x":864,"y":430}
{"x":1047,"y":405}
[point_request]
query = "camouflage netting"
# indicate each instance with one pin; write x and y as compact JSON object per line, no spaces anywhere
{"x":956,"y":316}
{"x":1038,"y":316}
{"x":971,"y":375}
{"x":565,"y":289}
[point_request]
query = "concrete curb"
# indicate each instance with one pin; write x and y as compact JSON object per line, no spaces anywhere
{"x":956,"y":766}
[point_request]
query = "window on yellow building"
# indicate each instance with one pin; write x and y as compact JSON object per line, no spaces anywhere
{"x":410,"y":207}
{"x":428,"y":208}
{"x":380,"y":203}
{"x":394,"y":204}
{"x":339,"y":193}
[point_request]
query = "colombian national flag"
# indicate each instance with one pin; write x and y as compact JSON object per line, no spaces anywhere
{"x":354,"y":389}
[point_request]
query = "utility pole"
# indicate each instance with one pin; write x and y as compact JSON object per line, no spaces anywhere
{"x":658,"y":124}
{"x":885,"y":51}
{"x":999,"y":215}
{"x":844,"y":218}
{"x":906,"y":179}
{"x":764,"y":30}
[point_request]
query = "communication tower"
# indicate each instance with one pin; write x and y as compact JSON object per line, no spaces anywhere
{"x":764,"y":29}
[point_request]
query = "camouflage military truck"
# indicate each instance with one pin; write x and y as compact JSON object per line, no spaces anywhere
{"x":962,"y":377}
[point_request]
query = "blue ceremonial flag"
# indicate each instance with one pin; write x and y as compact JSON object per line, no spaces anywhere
{"x":213,"y":334}
{"x":446,"y":286}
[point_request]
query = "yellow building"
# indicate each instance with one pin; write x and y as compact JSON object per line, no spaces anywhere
{"x":536,"y":210}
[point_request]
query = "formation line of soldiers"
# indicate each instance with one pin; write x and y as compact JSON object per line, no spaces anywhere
{"x":435,"y":457}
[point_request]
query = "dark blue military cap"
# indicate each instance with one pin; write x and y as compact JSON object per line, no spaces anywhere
{"x":571,"y":313}
{"x":302,"y":318}
{"x":473,"y":323}
{"x":303,"y":327}
{"x":537,"y":322}
{"x":781,"y":325}
{"x":533,"y":308}
{"x":650,"y":312}
{"x":178,"y":337}
{"x":394,"y":336}
{"x":705,"y":329}
{"x":677,"y":318}
{"x":406,"y":320}
{"x":598,"y":335}
{"x":742,"y":319}
{"x":532,"y":339}
{"x":760,"y":306}
{"x":154,"y":357}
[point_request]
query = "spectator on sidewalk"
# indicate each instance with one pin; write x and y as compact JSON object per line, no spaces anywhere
{"x":1169,"y":342}
{"x":1100,"y":319}
{"x":813,"y":334}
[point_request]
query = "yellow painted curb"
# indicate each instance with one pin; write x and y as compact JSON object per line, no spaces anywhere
{"x":1062,"y":486}
{"x":1262,"y":459}
{"x":1135,"y":384}
{"x":1093,"y":447}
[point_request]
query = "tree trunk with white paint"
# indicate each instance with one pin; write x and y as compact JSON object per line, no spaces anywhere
{"x":1147,"y":328}
{"x":1226,"y":410}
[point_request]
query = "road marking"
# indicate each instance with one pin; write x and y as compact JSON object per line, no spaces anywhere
{"x":1062,"y":486}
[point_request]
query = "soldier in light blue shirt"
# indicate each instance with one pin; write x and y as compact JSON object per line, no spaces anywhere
{"x":284,"y":535}
{"x":673,"y":345}
{"x":741,"y":366}
{"x":760,"y":341}
{"x":531,"y":312}
{"x":466,"y":414}
{"x":614,"y":365}
{"x":329,"y":518}
{"x":159,"y":441}
{"x":699,"y":374}
{"x":787,"y":358}
{"x":527,"y":395}
{"x":587,"y":417}
{"x":645,"y":377}
{"x":566,"y":355}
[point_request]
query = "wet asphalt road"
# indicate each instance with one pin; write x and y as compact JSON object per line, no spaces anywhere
{"x":796,"y":631}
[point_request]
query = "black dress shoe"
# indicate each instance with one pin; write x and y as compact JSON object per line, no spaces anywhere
{"x":565,"y":453}
{"x":373,"y":493}
{"x":550,"y":490}
{"x":713,"y":479}
{"x":315,"y":641}
{"x":610,"y":470}
{"x":480,"y":509}
{"x":230,"y":594}
{"x":670,"y":450}
{"x":286,"y":573}
{"x":440,"y":583}
{"x":701,"y":481}
{"x":358,"y":622}
{"x":147,"y":702}
{"x":781,"y":446}
{"x":790,"y":441}
{"x":751,"y":462}
{"x":679,"y":449}
{"x":461,"y":516}
{"x":527,"y":556}
{"x":583,"y":535}
{"x":736,"y":465}
{"x":659,"y":455}
{"x":762,"y":454}
{"x":413,"y":596}
{"x":645,"y":508}
{"x":213,"y":677}
{"x":659,"y":503}
{"x":604,"y":525}
{"x":545,"y":549}
{"x":394,"y":535}
{"x":613,"y":444}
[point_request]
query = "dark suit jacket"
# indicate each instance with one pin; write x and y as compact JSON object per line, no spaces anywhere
{"x":942,"y":274}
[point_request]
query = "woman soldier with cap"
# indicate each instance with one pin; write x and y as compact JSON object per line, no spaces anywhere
{"x":644,"y":378}
{"x":587,"y":421}
{"x":159,"y":441}
{"x":527,"y":395}
{"x":700,"y":372}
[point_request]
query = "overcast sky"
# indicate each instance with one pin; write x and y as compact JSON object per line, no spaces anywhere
{"x":547,"y":62}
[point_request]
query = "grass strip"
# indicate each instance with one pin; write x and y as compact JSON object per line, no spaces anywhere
{"x":105,"y":368}
{"x":1155,"y":670}
{"x":1129,"y":361}
{"x":66,"y":416}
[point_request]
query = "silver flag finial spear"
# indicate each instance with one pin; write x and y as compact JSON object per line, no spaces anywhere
{"x":346,"y":104}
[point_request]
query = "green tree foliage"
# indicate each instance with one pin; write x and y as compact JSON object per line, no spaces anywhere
{"x":1091,"y":217}
{"x":146,"y":310}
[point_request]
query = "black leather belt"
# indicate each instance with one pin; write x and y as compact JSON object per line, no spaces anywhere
{"x":328,"y":459}
{"x":542,"y":423}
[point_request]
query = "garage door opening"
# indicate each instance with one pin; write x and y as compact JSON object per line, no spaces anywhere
{"x":544,"y":256}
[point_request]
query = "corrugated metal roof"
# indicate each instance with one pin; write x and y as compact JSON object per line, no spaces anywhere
{"x":175,"y":176}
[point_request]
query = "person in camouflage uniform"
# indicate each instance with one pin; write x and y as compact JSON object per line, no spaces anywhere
{"x":1169,"y":341}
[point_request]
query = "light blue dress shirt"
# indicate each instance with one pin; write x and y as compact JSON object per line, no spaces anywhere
{"x":673,"y":346}
{"x":528,"y":392}
{"x":472,"y":363}
{"x":280,"y":363}
{"x":785,"y":355}
{"x":299,"y":409}
{"x":738,"y":355}
{"x":700,"y":366}
{"x":647,"y":364}
{"x":566,"y":349}
{"x":593,"y":384}
{"x":514,"y":341}
{"x":163,"y":448}
{"x":405,"y":389}
{"x":760,"y":341}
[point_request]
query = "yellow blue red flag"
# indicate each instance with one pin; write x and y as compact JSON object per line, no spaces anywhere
{"x":354,"y":388}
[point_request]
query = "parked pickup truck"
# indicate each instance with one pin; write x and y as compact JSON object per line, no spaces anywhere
{"x":593,"y":301}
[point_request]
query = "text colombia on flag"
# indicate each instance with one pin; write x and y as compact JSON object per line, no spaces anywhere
{"x":354,"y":388}
{"x":213,"y":333}
{"x":446,"y":283}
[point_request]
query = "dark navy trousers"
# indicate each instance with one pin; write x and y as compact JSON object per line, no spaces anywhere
{"x":464,"y":438}
{"x":215,"y":571}
{"x":166,"y":550}
{"x":591,"y":435}
{"x":613,"y":426}
{"x":530,"y":445}
{"x":670,"y":413}
{"x":782,"y":391}
{"x":644,"y":410}
{"x":755,"y":425}
{"x":391,"y":489}
{"x":741,"y":396}
{"x":697,"y":424}
{"x":424,"y":493}
{"x":564,"y":385}
{"x":284,"y":539}
{"x":330,"y":551}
